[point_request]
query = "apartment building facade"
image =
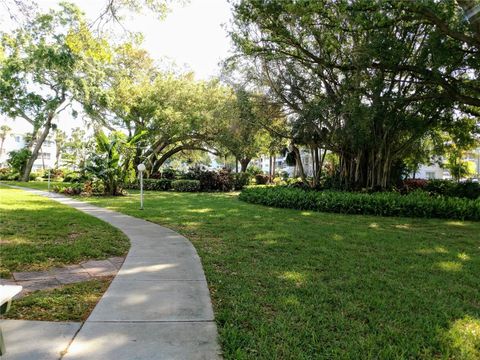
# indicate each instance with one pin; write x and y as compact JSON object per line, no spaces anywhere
{"x":16,"y":141}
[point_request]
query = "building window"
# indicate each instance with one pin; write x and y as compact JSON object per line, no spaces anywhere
{"x":430,"y":174}
{"x":44,"y":156}
{"x":18,"y":138}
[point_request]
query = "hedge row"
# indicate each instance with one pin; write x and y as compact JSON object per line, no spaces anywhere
{"x":467,"y":189}
{"x":186,"y":185}
{"x":416,"y":204}
{"x":208,"y":180}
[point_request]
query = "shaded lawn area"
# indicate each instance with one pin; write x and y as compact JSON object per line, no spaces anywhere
{"x":37,"y":233}
{"x":288,"y":284}
{"x":39,"y":185}
{"x":72,"y":302}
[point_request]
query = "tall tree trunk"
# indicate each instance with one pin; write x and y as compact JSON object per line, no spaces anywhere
{"x":57,"y":158}
{"x":43,"y":159}
{"x":244,"y":164}
{"x":270,"y":165}
{"x":299,"y":164}
{"x":37,"y":147}
{"x":274,"y":160}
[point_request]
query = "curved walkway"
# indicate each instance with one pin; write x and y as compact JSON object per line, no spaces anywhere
{"x":157,"y":307}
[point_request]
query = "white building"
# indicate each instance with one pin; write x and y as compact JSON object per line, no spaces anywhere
{"x":16,"y":141}
{"x":434,"y":171}
{"x":263,"y":162}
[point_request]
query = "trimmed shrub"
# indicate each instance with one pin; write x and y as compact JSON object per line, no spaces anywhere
{"x":9,"y":175}
{"x":34,"y":175}
{"x":297,"y":183}
{"x":75,"y":189}
{"x":132,"y":185}
{"x":416,"y":204}
{"x":157,"y":184}
{"x":167,"y":173}
{"x":222,"y":180}
{"x":468,"y":189}
{"x":253,"y":170}
{"x":4,"y":173}
{"x":240,"y":180}
{"x":414,"y":184}
{"x":186,"y":185}
{"x":261,"y":179}
{"x":71,"y":177}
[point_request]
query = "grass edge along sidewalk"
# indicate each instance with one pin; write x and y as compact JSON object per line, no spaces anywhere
{"x":301,"y":284}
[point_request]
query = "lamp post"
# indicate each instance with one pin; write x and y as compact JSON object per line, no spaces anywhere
{"x":141,"y":169}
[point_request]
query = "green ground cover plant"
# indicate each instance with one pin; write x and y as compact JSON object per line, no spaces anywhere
{"x":72,"y":302}
{"x":290,"y":284}
{"x":416,"y":204}
{"x":37,"y":233}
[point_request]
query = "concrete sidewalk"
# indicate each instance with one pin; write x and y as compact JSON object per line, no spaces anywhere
{"x":37,"y":340}
{"x":157,"y":307}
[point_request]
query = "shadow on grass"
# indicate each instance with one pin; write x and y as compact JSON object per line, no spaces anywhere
{"x":297,"y":284}
{"x":38,"y":233}
{"x":293,"y":284}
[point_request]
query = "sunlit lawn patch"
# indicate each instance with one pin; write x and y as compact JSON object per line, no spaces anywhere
{"x":37,"y":233}
{"x":70,"y":303}
{"x":289,"y":284}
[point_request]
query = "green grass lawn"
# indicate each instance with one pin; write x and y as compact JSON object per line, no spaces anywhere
{"x":69,"y":303}
{"x":39,"y":185}
{"x":37,"y":233}
{"x":290,"y":284}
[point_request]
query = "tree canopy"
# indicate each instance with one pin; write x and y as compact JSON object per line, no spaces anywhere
{"x":365,"y":80}
{"x":44,"y":66}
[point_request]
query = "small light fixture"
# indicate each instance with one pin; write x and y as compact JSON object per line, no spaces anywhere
{"x":141,"y":168}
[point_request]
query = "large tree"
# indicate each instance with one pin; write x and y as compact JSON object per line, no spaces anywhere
{"x":345,"y":69}
{"x":177,"y":112}
{"x":44,"y":66}
{"x":243,"y":135}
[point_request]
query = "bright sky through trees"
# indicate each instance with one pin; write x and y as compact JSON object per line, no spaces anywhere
{"x":191,"y":37}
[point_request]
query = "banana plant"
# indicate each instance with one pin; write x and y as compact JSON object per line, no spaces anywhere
{"x":108,"y":163}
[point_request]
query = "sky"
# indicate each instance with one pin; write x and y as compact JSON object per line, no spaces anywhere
{"x":192,"y":34}
{"x":192,"y":37}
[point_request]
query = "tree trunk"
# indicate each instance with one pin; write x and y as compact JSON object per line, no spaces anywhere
{"x":270,"y":165}
{"x":36,"y":149}
{"x":274,"y":160}
{"x":57,"y":158}
{"x":299,"y":164}
{"x":159,"y":162}
{"x":244,"y":164}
